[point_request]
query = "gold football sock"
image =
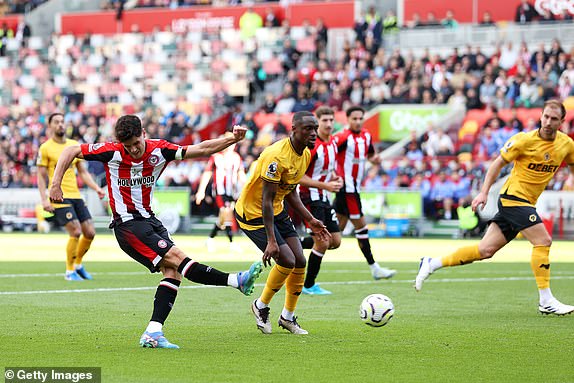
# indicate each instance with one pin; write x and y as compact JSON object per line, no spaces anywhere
{"x":293,"y":287}
{"x":540,"y":264}
{"x":462,"y":256}
{"x":83,"y":247}
{"x":71,"y":253}
{"x":275,"y":280}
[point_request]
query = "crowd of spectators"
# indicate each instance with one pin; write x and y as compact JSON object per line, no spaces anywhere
{"x":18,"y":6}
{"x":61,"y":75}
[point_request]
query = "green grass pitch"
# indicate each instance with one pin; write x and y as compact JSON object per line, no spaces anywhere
{"x":476,"y":323}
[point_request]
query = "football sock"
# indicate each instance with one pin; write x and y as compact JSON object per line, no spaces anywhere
{"x":71,"y":249}
{"x":200,"y":273}
{"x":462,"y":256}
{"x":540,"y":264}
{"x":164,"y":299}
{"x":228,"y":231}
{"x":545,"y":295}
{"x":313,"y":267}
{"x":233,"y":280}
{"x":275,"y":280}
{"x":260,"y":305}
{"x":83,"y":247}
{"x":286,"y":314}
{"x":214,"y":231}
{"x":307,"y":242}
{"x":362,"y":236}
{"x":154,"y":327}
{"x":293,"y":287}
{"x":435,"y":264}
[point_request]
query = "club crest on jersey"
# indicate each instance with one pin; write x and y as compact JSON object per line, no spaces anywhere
{"x":272,"y":170}
{"x":532,"y":218}
{"x":153,"y":160}
{"x":546,"y":156}
{"x":508,"y":146}
{"x":162,"y":244}
{"x":94,"y":147}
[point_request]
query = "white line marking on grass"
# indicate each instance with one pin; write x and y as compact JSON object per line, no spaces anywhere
{"x":338,"y":271}
{"x":396,"y":281}
{"x":62,"y":274}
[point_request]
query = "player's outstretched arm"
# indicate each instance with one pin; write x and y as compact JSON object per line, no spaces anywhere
{"x":88,"y":179}
{"x":317,"y":226}
{"x":63,"y":164}
{"x":491,"y":176}
{"x":200,"y":195}
{"x":42,"y":186}
{"x":209,"y":147}
{"x":333,"y":185}
{"x":268,"y":195}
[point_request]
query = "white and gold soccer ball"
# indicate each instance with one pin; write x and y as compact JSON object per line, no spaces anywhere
{"x":377,"y":310}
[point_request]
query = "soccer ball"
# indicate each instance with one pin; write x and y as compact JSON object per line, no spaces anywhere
{"x":377,"y":310}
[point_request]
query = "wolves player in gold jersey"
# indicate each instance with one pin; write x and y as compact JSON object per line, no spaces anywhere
{"x":72,"y":213}
{"x":262,"y":216}
{"x":537,"y":155}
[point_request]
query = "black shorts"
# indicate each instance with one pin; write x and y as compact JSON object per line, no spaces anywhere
{"x":145,"y":240}
{"x":512,"y":220}
{"x":71,"y":209}
{"x":348,"y":204}
{"x":283,"y":229}
{"x":324,"y":213}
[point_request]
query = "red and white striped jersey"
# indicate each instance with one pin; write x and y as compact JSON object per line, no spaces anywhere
{"x":321,"y":168}
{"x":225,"y":167}
{"x":353,"y":150}
{"x":131,"y":182}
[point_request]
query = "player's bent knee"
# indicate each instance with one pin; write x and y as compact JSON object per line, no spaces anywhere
{"x":334,"y":243}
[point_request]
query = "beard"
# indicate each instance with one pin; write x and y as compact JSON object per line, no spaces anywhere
{"x":59,"y":133}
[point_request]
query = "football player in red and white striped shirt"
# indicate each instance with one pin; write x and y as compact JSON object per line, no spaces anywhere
{"x":228,"y":174}
{"x":132,"y":167}
{"x":355,"y":148}
{"x":318,"y":182}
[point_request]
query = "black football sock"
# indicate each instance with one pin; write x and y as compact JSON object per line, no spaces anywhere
{"x":229,"y":233}
{"x":164,"y":299}
{"x":364,"y":244}
{"x":214,"y":231}
{"x":313,"y":266}
{"x":199,"y":273}
{"x":307,"y":242}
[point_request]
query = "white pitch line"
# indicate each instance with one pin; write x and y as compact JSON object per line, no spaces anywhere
{"x":62,"y":274}
{"x":396,"y":281}
{"x":338,"y":271}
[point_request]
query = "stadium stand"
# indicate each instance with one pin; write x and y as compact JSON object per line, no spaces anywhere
{"x":179,"y":82}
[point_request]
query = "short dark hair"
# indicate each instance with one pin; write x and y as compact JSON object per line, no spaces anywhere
{"x":354,"y":108}
{"x":556,"y":104}
{"x":298,"y":117}
{"x":128,"y":126}
{"x":51,"y":117}
{"x":324,"y":110}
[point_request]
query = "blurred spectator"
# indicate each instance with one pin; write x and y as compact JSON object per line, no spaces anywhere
{"x":525,"y":12}
{"x":271,"y":21}
{"x":442,"y":193}
{"x":449,"y":21}
{"x":249,"y":23}
{"x":439,"y":144}
{"x":487,"y":20}
{"x":415,"y":22}
{"x":390,"y":23}
{"x":431,"y":20}
{"x":547,"y":17}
